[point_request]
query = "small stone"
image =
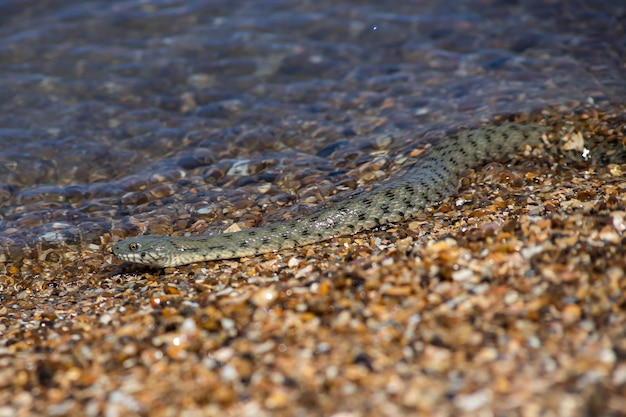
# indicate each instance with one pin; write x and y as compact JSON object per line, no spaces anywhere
{"x":463,"y":274}
{"x":574,"y":141}
{"x":474,"y":401}
{"x":615,"y":170}
{"x":264,"y":297}
{"x":571,"y":314}
{"x":233,"y":228}
{"x":398,"y":291}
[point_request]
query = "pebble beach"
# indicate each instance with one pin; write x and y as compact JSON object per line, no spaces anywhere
{"x":508,"y":298}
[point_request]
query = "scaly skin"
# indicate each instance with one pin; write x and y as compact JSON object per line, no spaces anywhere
{"x":435,"y":177}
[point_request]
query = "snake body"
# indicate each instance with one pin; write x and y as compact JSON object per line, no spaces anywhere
{"x":434,"y":178}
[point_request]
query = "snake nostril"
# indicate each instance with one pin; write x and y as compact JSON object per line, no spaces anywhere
{"x":143,"y":254}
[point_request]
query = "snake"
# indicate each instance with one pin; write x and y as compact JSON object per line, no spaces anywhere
{"x":434,"y":177}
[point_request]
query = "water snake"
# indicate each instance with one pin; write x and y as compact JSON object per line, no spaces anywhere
{"x":433,"y":178}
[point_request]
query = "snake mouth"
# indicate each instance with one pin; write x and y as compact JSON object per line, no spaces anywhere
{"x":144,"y":259}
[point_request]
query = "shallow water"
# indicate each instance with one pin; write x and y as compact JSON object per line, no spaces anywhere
{"x":133,"y":116}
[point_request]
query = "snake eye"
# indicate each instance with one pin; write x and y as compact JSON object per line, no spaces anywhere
{"x":134,"y":246}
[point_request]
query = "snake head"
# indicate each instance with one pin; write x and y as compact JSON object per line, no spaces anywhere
{"x":151,"y":250}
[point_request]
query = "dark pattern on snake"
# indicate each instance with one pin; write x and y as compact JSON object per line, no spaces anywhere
{"x":434,"y":178}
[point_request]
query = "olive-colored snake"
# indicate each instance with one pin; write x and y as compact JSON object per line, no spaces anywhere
{"x":435,"y":177}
